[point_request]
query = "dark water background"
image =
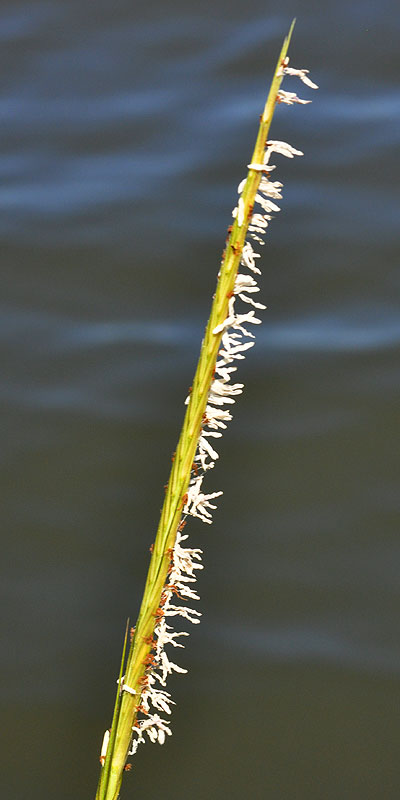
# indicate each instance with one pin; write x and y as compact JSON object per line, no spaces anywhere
{"x":125,"y":129}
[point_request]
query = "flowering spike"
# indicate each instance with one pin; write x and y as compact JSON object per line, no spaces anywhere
{"x":173,"y":564}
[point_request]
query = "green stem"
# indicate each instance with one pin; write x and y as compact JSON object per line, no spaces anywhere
{"x":127,"y":703}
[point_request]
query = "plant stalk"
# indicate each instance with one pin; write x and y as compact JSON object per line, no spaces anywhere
{"x":127,"y":703}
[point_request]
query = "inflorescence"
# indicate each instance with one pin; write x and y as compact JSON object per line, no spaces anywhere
{"x":236,"y":340}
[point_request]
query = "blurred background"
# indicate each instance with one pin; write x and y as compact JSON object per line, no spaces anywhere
{"x":125,"y":129}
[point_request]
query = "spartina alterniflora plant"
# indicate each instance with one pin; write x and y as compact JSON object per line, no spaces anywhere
{"x":143,"y":705}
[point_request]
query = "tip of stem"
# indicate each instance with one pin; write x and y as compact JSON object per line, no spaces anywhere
{"x":288,"y":37}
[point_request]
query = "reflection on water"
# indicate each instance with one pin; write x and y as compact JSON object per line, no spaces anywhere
{"x":124,"y":135}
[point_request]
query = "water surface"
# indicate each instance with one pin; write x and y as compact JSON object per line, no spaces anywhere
{"x":125,"y":131}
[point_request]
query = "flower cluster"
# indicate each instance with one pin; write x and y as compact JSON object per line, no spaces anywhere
{"x":236,"y":339}
{"x":235,"y":335}
{"x":181,"y":574}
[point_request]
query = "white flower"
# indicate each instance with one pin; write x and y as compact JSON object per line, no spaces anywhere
{"x":216,"y":417}
{"x":186,"y":559}
{"x":270,"y":188}
{"x":257,"y":238}
{"x":302,"y":74}
{"x":165,"y":637}
{"x":260,"y":221}
{"x":245,"y":283}
{"x":290,"y":97}
{"x":197,"y":503}
{"x":156,"y":728}
{"x":261,"y":167}
{"x":135,"y":745}
{"x":248,"y":256}
{"x":157,"y":697}
{"x":283,"y":148}
{"x":161,"y":701}
{"x":166,"y":667}
{"x":187,"y":613}
{"x":220,"y":388}
{"x":206,"y":457}
{"x":184,"y":592}
{"x":104,"y":747}
{"x":234,"y":321}
{"x":267,"y":205}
